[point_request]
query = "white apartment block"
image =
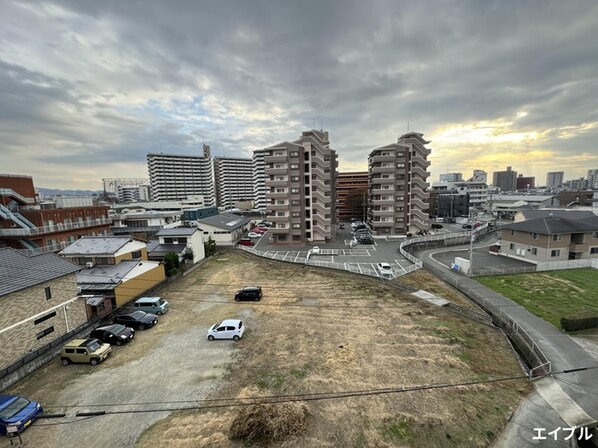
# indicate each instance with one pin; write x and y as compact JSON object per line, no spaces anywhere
{"x":127,"y":189}
{"x":259,"y":179}
{"x":234,"y":178}
{"x":301,"y":189}
{"x":397,"y":186}
{"x":555,"y":179}
{"x":451,"y":177}
{"x":175,"y":177}
{"x":592,"y":179}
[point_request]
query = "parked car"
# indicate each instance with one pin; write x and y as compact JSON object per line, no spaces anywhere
{"x":115,"y":334}
{"x":265,"y":223}
{"x":384,"y":268}
{"x":355,"y":224}
{"x":17,"y":412}
{"x":436,"y":226}
{"x":249,"y":293}
{"x":246,"y":242}
{"x":341,"y":226}
{"x":466,"y":226}
{"x":315,"y":250}
{"x":363,"y":231}
{"x":365,"y":239}
{"x":227,"y":329}
{"x":139,"y":320}
{"x":87,"y":351}
{"x":153,"y":305}
{"x":254,"y":235}
{"x":259,"y":230}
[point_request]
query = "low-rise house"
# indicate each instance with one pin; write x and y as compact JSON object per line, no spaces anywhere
{"x":178,"y":240}
{"x":39,"y":302}
{"x":526,"y":215}
{"x":551,"y":239}
{"x":224,"y":229}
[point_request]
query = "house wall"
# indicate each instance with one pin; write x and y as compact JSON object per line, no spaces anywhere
{"x":222,"y":239}
{"x":129,"y":255}
{"x":196,"y":243}
{"x":28,"y":302}
{"x":139,"y":285}
{"x":544,"y":245}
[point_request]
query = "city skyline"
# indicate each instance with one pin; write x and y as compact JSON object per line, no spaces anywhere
{"x":91,"y":88}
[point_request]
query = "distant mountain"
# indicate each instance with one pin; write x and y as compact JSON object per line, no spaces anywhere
{"x":56,"y":192}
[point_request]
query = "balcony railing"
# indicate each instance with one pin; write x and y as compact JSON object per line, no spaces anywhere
{"x":60,"y":227}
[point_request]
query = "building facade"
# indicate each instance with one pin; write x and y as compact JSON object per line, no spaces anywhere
{"x":505,"y":180}
{"x":234,"y":177}
{"x":351,"y":195}
{"x":175,"y":177}
{"x":397,"y":186}
{"x":25,"y":224}
{"x":452,"y":204}
{"x":451,"y":177}
{"x":301,"y":189}
{"x":554,"y":179}
{"x":592,"y":179}
{"x":524,"y":183}
{"x":127,"y":189}
{"x":259,"y":179}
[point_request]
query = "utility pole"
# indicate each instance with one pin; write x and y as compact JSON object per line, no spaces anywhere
{"x":471,"y":238}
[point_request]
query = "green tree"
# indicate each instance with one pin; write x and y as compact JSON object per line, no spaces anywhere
{"x":171,"y":263}
{"x":210,"y":246}
{"x":188,"y":255}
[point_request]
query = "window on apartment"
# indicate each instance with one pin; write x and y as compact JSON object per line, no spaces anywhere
{"x":295,"y":190}
{"x":400,"y":165}
{"x":295,"y":202}
{"x":280,"y":213}
{"x":136,"y":255}
{"x":295,"y":214}
{"x":294,"y":166}
{"x":294,"y":154}
{"x":281,"y":225}
{"x":535,"y":236}
{"x":45,"y":332}
{"x":594,"y":234}
{"x":280,"y":202}
{"x":400,"y":198}
{"x":294,"y":178}
{"x":48,"y":292}
{"x":296,"y":226}
{"x":279,"y":177}
{"x":556,"y":237}
{"x":594,"y":250}
{"x":511,"y":246}
{"x":278,"y":165}
{"x":280,"y":190}
{"x":555,"y":253}
{"x":534,"y":251}
{"x":44,"y":318}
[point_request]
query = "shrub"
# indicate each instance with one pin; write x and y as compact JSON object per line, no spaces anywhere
{"x":568,"y":324}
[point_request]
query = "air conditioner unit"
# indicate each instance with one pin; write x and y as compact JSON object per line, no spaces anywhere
{"x":89,"y":264}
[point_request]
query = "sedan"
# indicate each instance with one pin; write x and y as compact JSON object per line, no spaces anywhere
{"x":365,"y":239}
{"x":259,"y":230}
{"x":116,"y":334}
{"x":227,"y":329}
{"x":384,"y":268}
{"x":17,"y":413}
{"x":254,"y":235}
{"x":137,"y":319}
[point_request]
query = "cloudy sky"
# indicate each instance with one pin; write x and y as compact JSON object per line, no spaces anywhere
{"x":88,"y":88}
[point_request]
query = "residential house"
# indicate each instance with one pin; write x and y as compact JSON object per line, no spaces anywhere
{"x":178,"y":240}
{"x":526,"y":215}
{"x":551,"y":239}
{"x":225,"y":229}
{"x":38,"y":295}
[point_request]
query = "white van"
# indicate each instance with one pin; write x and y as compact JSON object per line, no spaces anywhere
{"x":154,"y":305}
{"x":439,"y":219}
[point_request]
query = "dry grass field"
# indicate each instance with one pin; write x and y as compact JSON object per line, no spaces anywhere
{"x":322,"y":331}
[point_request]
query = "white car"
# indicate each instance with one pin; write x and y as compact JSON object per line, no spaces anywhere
{"x":227,"y":329}
{"x":384,"y":268}
{"x":254,"y":235}
{"x":315,"y":250}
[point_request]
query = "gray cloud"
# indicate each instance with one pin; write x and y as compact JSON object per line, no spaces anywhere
{"x":93,"y":86}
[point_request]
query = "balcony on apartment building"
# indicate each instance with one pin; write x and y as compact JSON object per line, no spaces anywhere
{"x":378,"y":169}
{"x":277,"y":194}
{"x":282,"y":169}
{"x":380,"y":158}
{"x":380,"y":201}
{"x":276,"y":183}
{"x":379,"y":180}
{"x":55,"y":228}
{"x":276,"y":159}
{"x":418,"y":159}
{"x":382,"y":191}
{"x":419,"y":171}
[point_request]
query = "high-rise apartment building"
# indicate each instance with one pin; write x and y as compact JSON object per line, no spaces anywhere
{"x":300,"y":181}
{"x":397,"y":186}
{"x":525,"y":183}
{"x":505,"y":180}
{"x":351,"y":195}
{"x":233,"y":180}
{"x":175,"y":177}
{"x":479,"y":176}
{"x":127,"y":189}
{"x":592,"y":179}
{"x":451,"y":177}
{"x":259,"y":179}
{"x":554,"y":179}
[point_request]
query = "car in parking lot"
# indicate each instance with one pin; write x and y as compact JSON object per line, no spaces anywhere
{"x":363,"y":231}
{"x":466,"y":226}
{"x":365,"y":239}
{"x":87,"y":351}
{"x":436,"y":226}
{"x":227,"y":329}
{"x":139,"y":320}
{"x":259,"y":230}
{"x":18,"y":413}
{"x":254,"y":235}
{"x":246,"y":242}
{"x":264,"y":224}
{"x":315,"y":250}
{"x":152,"y":305}
{"x":249,"y":293}
{"x":384,"y":269}
{"x":115,"y":334}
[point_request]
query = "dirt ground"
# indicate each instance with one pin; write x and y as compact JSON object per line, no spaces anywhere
{"x":321,"y":331}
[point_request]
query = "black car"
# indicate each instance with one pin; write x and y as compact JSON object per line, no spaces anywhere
{"x":137,"y":319}
{"x":365,"y":239}
{"x":436,"y":226}
{"x":113,"y":334}
{"x":249,"y":293}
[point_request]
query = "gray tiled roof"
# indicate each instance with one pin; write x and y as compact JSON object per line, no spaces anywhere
{"x":552,"y":225}
{"x":106,"y":274}
{"x":224,"y":221}
{"x":177,"y":231}
{"x":19,"y":271}
{"x":568,"y":214}
{"x":97,"y":245}
{"x":163,"y":249}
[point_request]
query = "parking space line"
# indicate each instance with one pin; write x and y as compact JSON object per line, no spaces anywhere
{"x":286,"y":255}
{"x":297,"y":256}
{"x":401,"y":266}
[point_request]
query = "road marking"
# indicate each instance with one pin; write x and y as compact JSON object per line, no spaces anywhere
{"x":562,"y":403}
{"x":401,"y":266}
{"x":297,"y":256}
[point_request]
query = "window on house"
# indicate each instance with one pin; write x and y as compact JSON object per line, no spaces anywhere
{"x":48,"y":292}
{"x":594,"y":250}
{"x":535,"y":236}
{"x":511,"y":246}
{"x":45,"y":332}
{"x":44,"y":318}
{"x":136,"y":254}
{"x":555,"y":253}
{"x":534,"y":251}
{"x":556,"y":237}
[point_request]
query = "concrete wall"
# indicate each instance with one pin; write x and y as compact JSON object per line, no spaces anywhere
{"x":20,"y":305}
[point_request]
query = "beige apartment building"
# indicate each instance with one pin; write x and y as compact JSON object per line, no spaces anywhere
{"x":300,"y":185}
{"x":397,"y":186}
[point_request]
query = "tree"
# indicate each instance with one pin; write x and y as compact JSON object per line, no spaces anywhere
{"x":171,"y":263}
{"x":210,"y":246}
{"x":188,"y":255}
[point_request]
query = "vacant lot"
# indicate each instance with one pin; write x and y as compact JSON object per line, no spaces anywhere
{"x":551,"y":295}
{"x":320,"y":331}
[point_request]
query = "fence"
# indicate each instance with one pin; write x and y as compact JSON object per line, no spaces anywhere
{"x":539,"y":267}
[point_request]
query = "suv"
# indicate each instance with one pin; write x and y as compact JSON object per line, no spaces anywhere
{"x":154,"y":305}
{"x":249,"y":293}
{"x":86,"y":351}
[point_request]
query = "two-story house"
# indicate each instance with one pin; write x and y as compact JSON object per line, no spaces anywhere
{"x":178,"y":240}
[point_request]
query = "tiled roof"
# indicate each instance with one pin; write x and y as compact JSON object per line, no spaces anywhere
{"x":106,"y":274}
{"x":556,"y":225}
{"x":97,"y":245}
{"x":224,"y":221}
{"x":568,"y":214}
{"x":19,"y":271}
{"x":177,"y":231}
{"x":163,"y":249}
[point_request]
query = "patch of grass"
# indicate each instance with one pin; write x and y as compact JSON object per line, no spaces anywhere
{"x":551,"y":295}
{"x":397,"y":431}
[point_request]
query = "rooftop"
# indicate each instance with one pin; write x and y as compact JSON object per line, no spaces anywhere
{"x":88,"y":245}
{"x":177,"y":231}
{"x":556,"y":225}
{"x":224,"y":221}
